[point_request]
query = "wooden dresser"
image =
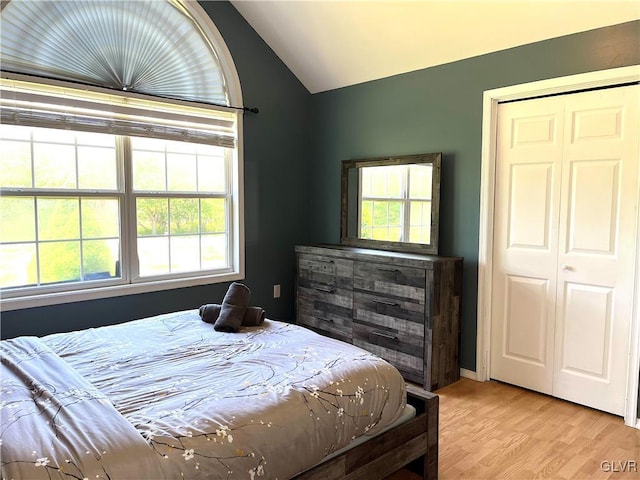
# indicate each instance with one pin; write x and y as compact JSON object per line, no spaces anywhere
{"x":403,"y":307}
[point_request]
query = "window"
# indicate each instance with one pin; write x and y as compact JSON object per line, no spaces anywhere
{"x":121,"y":160}
{"x":395,"y":203}
{"x":182,"y":199}
{"x":132,"y":192}
{"x":60,"y":207}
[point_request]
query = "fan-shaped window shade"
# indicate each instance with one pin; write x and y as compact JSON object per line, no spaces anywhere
{"x":153,"y":47}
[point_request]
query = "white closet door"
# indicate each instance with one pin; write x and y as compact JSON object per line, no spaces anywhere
{"x":596,"y":247}
{"x":529,"y":152}
{"x":564,"y":244}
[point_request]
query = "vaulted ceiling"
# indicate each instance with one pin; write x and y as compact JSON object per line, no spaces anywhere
{"x":330,"y":44}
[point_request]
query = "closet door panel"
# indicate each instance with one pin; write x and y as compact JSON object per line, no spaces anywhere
{"x":565,"y":240}
{"x":586,"y":337}
{"x":529,"y":159}
{"x":593,"y":207}
{"x":597,"y":247}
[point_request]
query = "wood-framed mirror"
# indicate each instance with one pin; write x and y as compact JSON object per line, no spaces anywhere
{"x":392,"y":203}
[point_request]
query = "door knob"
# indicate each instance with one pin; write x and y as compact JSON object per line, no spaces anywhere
{"x":567,"y":268}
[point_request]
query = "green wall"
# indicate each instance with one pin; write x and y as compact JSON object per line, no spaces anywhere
{"x":439,"y":109}
{"x":276,"y":151}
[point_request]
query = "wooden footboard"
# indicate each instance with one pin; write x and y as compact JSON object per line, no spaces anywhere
{"x":413,"y":443}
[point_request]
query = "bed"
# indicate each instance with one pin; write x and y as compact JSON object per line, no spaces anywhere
{"x":168,"y":397}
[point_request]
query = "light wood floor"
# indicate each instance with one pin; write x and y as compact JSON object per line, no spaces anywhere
{"x":490,"y":430}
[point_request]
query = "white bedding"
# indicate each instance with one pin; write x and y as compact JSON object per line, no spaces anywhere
{"x":269,"y":401}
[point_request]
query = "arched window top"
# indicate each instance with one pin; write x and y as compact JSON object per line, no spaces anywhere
{"x":152,"y":47}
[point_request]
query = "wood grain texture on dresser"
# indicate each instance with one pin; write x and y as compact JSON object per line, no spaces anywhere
{"x":403,"y":307}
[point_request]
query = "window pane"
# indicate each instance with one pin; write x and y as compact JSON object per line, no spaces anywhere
{"x":214,"y":251}
{"x":366,"y":232}
{"x":394,"y":181}
{"x":420,"y":231}
{"x":149,"y":171}
{"x":366,"y":215}
{"x":211,"y":174}
{"x":53,"y":135}
{"x":153,"y":254}
{"x":420,"y":235}
{"x":415,"y":234}
{"x":184,"y":216}
{"x":380,"y":233}
{"x":97,"y":168}
{"x":181,"y":173}
{"x":18,"y":266}
{"x":213,"y":215}
{"x":150,"y":144}
{"x":386,"y":221}
{"x":55,"y":165}
{"x":382,"y":182}
{"x":415,"y":213}
{"x":366,"y":220}
{"x":58,"y":218}
{"x":420,"y":213}
{"x":420,"y":181}
{"x":99,"y":258}
{"x":395,"y":213}
{"x":391,"y":234}
{"x":185,"y":253}
{"x":14,"y":132}
{"x":394,"y":234}
{"x":426,"y":213}
{"x":15,"y":164}
{"x":152,"y":216}
{"x":100,"y":217}
{"x":96,"y":139}
{"x":180,"y":147}
{"x":17,"y":219}
{"x":380,"y":214}
{"x":59,"y":262}
{"x":366,"y":181}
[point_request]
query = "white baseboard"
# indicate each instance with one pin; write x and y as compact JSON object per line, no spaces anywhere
{"x":464,"y":373}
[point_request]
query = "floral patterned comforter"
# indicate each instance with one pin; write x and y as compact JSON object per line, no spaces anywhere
{"x":169,"y":397}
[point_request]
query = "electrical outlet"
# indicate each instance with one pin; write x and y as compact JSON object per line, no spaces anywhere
{"x":276,"y":291}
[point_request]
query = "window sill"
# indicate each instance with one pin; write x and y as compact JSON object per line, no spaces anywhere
{"x":45,"y":299}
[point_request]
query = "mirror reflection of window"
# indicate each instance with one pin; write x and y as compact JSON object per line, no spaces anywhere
{"x":419,"y":178}
{"x":395,"y":203}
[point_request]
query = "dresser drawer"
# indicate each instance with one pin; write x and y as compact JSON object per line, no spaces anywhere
{"x":406,"y":315}
{"x":326,"y":323}
{"x":390,"y":280}
{"x":325,"y":308}
{"x":322,"y":270}
{"x":403,"y":351}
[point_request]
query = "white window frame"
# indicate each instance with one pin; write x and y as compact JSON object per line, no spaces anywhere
{"x":130,"y":282}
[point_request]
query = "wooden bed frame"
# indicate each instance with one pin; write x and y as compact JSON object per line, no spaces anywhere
{"x":413,"y":443}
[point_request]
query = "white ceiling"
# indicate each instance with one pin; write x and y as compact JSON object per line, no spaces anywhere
{"x":330,"y":44}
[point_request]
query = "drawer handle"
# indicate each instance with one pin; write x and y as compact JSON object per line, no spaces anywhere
{"x":322,"y":260}
{"x":390,"y":270}
{"x":390,"y":304}
{"x":324,"y":289}
{"x":384,"y":335}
